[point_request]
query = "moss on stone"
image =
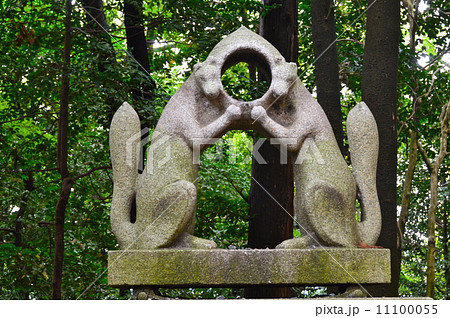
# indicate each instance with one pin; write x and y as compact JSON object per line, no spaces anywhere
{"x":220,"y":268}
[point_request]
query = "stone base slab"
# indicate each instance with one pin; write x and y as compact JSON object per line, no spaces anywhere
{"x":239,"y":268}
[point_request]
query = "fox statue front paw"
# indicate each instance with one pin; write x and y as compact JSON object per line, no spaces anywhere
{"x":233,"y":112}
{"x":257,"y":113}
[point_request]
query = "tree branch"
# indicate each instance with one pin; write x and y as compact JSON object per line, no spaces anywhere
{"x":91,"y":171}
{"x":406,"y":194}
{"x":238,"y":190}
{"x":29,"y":170}
{"x":62,"y":155}
{"x":241,"y":193}
{"x":403,"y":124}
{"x":351,"y":40}
{"x":444,"y":119}
{"x":424,"y":156}
{"x":433,"y":79}
{"x":45,"y":224}
{"x":47,"y":183}
{"x":6,"y":230}
{"x":435,"y":59}
{"x":34,"y":113}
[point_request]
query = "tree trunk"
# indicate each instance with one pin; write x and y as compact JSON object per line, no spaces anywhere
{"x":445,"y":249}
{"x":407,"y":185}
{"x":280,"y":28}
{"x":435,"y":166}
{"x":412,"y":7}
{"x":431,"y":253}
{"x":95,"y":18}
{"x":269,"y":201}
{"x":62,"y":151}
{"x":327,"y":74}
{"x":326,"y":65}
{"x":272,"y":186}
{"x":379,"y":91}
{"x":98,"y":27}
{"x":28,"y":186}
{"x":137,"y":44}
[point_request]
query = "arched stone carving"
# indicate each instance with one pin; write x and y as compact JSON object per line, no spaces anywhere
{"x":165,"y":193}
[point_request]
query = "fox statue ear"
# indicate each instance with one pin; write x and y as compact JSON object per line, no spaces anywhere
{"x":212,"y":61}
{"x":197,"y":66}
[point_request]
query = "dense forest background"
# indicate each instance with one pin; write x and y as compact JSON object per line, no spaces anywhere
{"x":67,"y":66}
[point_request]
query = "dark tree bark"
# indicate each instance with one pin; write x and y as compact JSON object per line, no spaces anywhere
{"x":280,"y":27}
{"x":326,"y":65}
{"x":17,"y":229}
{"x":379,"y":91}
{"x":29,"y":186}
{"x":327,"y":74}
{"x":98,"y":27}
{"x":62,"y":151}
{"x":137,"y":44}
{"x":95,"y":18}
{"x":272,"y":187}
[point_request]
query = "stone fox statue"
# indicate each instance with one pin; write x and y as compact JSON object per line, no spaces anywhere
{"x":325,"y":188}
{"x":165,"y":193}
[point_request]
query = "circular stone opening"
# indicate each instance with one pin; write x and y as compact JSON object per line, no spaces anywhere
{"x":246,"y":76}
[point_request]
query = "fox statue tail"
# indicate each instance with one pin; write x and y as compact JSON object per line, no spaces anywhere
{"x":363,"y":141}
{"x":124,"y":140}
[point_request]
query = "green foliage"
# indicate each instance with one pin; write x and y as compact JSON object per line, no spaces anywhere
{"x":204,"y":293}
{"x":423,"y":90}
{"x":31,"y":37}
{"x":225,"y":174}
{"x":239,"y":84}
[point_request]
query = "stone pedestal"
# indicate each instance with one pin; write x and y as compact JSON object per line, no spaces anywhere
{"x":240,"y":268}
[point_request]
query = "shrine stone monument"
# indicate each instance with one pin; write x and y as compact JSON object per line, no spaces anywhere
{"x":159,"y":249}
